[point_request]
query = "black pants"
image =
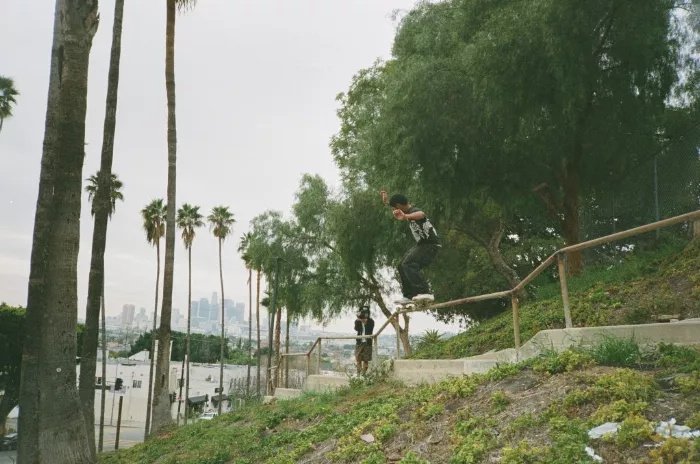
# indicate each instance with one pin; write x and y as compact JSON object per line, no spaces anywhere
{"x":412,"y":281}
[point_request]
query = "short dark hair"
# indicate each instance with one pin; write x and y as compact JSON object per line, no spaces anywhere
{"x":398,"y":199}
{"x":363,"y":312}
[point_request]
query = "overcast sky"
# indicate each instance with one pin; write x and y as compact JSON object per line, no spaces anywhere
{"x":256,"y":86}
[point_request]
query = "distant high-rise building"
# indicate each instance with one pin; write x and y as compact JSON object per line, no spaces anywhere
{"x":194,"y":306}
{"x":204,"y":309}
{"x":228,"y":309}
{"x":239,"y":312}
{"x":127,"y":317}
{"x":214,"y":299}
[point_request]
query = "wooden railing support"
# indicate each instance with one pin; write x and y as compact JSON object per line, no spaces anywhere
{"x":561,"y":262}
{"x":516,"y":320}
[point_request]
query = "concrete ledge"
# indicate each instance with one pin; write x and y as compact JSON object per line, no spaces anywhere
{"x":681,"y":333}
{"x":286,"y":393}
{"x":323,"y":383}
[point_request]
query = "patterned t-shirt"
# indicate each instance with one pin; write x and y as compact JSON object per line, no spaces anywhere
{"x":422,"y":229}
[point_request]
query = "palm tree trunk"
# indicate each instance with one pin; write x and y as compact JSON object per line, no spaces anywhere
{"x":187,"y":340}
{"x":52,"y":422}
{"x":257,"y":323}
{"x":223,"y":338}
{"x":104,"y":373}
{"x":161,"y":395}
{"x":99,"y":237}
{"x":250,"y":328}
{"x":153,"y":347}
{"x":182,"y":381}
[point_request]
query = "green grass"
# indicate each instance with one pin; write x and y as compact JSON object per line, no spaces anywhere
{"x":665,"y":280}
{"x":477,"y":417}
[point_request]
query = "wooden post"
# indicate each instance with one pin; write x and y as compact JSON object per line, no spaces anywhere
{"x":308,"y":365}
{"x":564,"y":289}
{"x":119,"y":422}
{"x":516,"y":320}
{"x":398,"y":338}
{"x":696,"y":228}
{"x":318,"y":361}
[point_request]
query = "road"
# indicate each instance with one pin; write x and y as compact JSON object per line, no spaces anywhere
{"x":129,"y":436}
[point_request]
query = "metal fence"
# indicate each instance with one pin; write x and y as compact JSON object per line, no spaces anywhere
{"x":664,"y":184}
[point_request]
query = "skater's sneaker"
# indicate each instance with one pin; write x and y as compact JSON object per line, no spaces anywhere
{"x":403,"y":301}
{"x":424,"y":298}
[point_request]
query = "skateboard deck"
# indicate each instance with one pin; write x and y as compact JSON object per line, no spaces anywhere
{"x":414,"y":305}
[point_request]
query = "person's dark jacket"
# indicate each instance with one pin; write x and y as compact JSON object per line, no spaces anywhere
{"x":369,"y":329}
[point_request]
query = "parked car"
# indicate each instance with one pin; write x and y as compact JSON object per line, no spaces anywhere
{"x":8,"y":442}
{"x":208,"y":416}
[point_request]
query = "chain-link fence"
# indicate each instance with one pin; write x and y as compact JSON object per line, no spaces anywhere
{"x":663,"y":185}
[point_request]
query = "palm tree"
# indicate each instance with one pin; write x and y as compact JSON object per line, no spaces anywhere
{"x":221,"y":223}
{"x":153,"y":216}
{"x":245,"y":255}
{"x":50,"y":343}
{"x":101,"y":212}
{"x":189,"y":220}
{"x":115,"y":187}
{"x":7,"y":98}
{"x":161,"y":400}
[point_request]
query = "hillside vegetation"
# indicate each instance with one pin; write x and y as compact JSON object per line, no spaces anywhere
{"x":539,"y":412}
{"x":661,"y":281}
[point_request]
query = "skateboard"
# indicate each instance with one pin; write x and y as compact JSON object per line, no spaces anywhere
{"x":414,"y":305}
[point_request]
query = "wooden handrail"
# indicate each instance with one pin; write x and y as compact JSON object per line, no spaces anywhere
{"x":512,"y":293}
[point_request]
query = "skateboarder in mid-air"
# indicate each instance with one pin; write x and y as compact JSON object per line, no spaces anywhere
{"x":413,"y":284}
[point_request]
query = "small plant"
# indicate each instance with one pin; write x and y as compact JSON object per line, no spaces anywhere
{"x":525,"y":453}
{"x":373,"y":376}
{"x":412,"y":458}
{"x":499,"y":402}
{"x":617,"y":352}
{"x":690,"y":384}
{"x":429,"y":337}
{"x":619,"y":410}
{"x":634,"y":430}
{"x":694,"y":421}
{"x":672,"y":450}
{"x":681,"y":359}
{"x":569,"y":360}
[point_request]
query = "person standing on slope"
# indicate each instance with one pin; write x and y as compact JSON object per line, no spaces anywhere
{"x":413,"y":284}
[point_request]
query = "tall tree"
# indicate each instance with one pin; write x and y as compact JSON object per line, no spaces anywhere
{"x":258,"y":275}
{"x":161,"y":395}
{"x":221,"y":224}
{"x":11,"y":333}
{"x":104,"y":189}
{"x":153,"y":217}
{"x":96,"y":277}
{"x":189,"y":220}
{"x":8,"y":92}
{"x":245,"y":255}
{"x":52,"y":422}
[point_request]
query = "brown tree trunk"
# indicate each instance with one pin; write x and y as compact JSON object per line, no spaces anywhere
{"x":223,"y":333}
{"x":250,"y":327}
{"x":570,"y":224}
{"x":103,"y":209}
{"x":187,"y":338}
{"x":257,"y":321}
{"x":153,"y":348}
{"x":103,"y":399}
{"x":161,"y":395}
{"x":52,"y":423}
{"x":402,"y":331}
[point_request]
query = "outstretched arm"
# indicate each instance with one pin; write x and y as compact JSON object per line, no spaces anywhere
{"x":415,"y":216}
{"x":385,"y":197}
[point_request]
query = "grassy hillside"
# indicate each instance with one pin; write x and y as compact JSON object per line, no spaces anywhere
{"x":662,"y":281}
{"x":537,"y":413}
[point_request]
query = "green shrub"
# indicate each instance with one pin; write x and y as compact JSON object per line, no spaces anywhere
{"x":633,"y":431}
{"x":569,"y":360}
{"x":617,"y":352}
